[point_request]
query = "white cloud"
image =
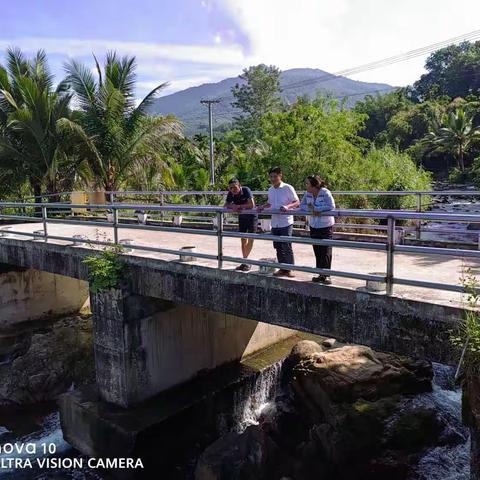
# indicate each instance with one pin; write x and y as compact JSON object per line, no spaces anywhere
{"x":218,"y":55}
{"x":335,"y":35}
{"x":328,"y":34}
{"x":173,"y":86}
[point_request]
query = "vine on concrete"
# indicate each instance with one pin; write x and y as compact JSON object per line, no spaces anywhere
{"x":106,"y":269}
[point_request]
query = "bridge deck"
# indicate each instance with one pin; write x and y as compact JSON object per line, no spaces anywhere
{"x":434,"y":268}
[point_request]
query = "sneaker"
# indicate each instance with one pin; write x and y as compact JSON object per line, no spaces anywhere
{"x":283,"y":273}
{"x":325,"y":280}
{"x":244,"y":267}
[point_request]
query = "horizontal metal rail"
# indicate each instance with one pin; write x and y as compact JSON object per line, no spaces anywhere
{"x":375,"y":214}
{"x":219,"y":213}
{"x":166,"y":193}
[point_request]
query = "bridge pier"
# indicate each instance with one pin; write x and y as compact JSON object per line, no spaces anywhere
{"x":145,"y":345}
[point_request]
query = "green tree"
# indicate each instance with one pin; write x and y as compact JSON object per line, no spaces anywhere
{"x":452,"y":71}
{"x":313,"y":137}
{"x":456,"y":136}
{"x":257,"y":96}
{"x":115,"y":134}
{"x":411,"y":124}
{"x":379,"y":110}
{"x":33,"y":145}
{"x":318,"y":137}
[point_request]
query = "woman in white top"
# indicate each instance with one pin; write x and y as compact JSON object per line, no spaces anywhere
{"x":319,"y":199}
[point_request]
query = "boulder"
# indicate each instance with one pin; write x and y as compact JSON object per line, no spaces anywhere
{"x":354,"y":400}
{"x":329,"y":343}
{"x":352,"y":372}
{"x":304,"y":350}
{"x":51,"y":360}
{"x":239,"y":456}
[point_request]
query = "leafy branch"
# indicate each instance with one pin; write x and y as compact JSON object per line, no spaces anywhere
{"x":467,"y":335}
{"x":106,"y":269}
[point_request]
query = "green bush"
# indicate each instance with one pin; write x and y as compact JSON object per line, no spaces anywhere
{"x":106,"y":270}
{"x":467,"y":335}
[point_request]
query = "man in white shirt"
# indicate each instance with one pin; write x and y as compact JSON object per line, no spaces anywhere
{"x":281,"y":196}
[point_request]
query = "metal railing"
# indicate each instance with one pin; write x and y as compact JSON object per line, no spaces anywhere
{"x":419,"y":194}
{"x":390,"y":247}
{"x":163,"y":197}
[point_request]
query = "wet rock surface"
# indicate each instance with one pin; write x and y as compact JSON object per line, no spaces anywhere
{"x":39,"y":364}
{"x":346,"y":413}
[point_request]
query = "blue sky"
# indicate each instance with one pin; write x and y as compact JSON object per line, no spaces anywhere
{"x":189,"y":42}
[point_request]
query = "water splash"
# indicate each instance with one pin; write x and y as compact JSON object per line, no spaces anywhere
{"x":448,"y":462}
{"x":256,"y":400}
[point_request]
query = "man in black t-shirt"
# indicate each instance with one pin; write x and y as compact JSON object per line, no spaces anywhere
{"x":241,"y":198}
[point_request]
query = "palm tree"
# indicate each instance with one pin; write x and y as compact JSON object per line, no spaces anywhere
{"x":456,"y":136}
{"x":116,"y":136}
{"x":32,"y":143}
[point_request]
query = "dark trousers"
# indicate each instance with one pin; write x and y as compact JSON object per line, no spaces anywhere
{"x":323,"y":254}
{"x":284,"y":250}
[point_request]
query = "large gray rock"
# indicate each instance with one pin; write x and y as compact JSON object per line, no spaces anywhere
{"x":304,"y":350}
{"x":351,"y":372}
{"x":239,"y":456}
{"x":48,"y":363}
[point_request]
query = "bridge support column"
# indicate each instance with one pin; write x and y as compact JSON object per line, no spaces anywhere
{"x":145,"y":345}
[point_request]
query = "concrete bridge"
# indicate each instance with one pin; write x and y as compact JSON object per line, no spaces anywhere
{"x":170,"y":320}
{"x":409,"y":322}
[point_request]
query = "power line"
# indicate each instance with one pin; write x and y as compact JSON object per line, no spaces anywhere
{"x":471,"y":36}
{"x":475,"y":35}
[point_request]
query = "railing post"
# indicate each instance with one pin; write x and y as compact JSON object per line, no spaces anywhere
{"x":162,"y":203}
{"x":115,"y":225}
{"x":112,"y":198}
{"x":390,"y":254}
{"x":220,"y":239}
{"x":419,"y":210}
{"x":44,"y":221}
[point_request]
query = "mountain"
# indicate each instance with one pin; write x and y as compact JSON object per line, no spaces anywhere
{"x":295,"y":82}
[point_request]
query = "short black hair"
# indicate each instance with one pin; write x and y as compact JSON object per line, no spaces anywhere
{"x":276,"y":170}
{"x":234,"y":180}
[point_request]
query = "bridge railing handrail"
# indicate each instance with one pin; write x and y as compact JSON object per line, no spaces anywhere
{"x":389,"y":247}
{"x":180,"y":208}
{"x":110,"y":193}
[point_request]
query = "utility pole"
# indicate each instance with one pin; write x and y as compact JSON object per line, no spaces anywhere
{"x":209,"y":103}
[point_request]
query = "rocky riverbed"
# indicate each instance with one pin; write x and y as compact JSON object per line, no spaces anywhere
{"x":346,"y":413}
{"x":325,"y":411}
{"x":40,"y":362}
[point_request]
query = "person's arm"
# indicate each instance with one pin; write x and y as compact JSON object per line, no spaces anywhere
{"x":329,"y":203}
{"x":294,"y":201}
{"x":229,"y":202}
{"x":304,"y":204}
{"x":250,"y":203}
{"x":267,"y":205}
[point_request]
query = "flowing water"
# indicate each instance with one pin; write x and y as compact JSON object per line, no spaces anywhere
{"x":457,"y":231}
{"x":446,"y":462}
{"x":43,"y":429}
{"x":257,"y":398}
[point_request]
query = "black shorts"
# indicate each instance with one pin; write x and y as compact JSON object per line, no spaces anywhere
{"x":247,"y":223}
